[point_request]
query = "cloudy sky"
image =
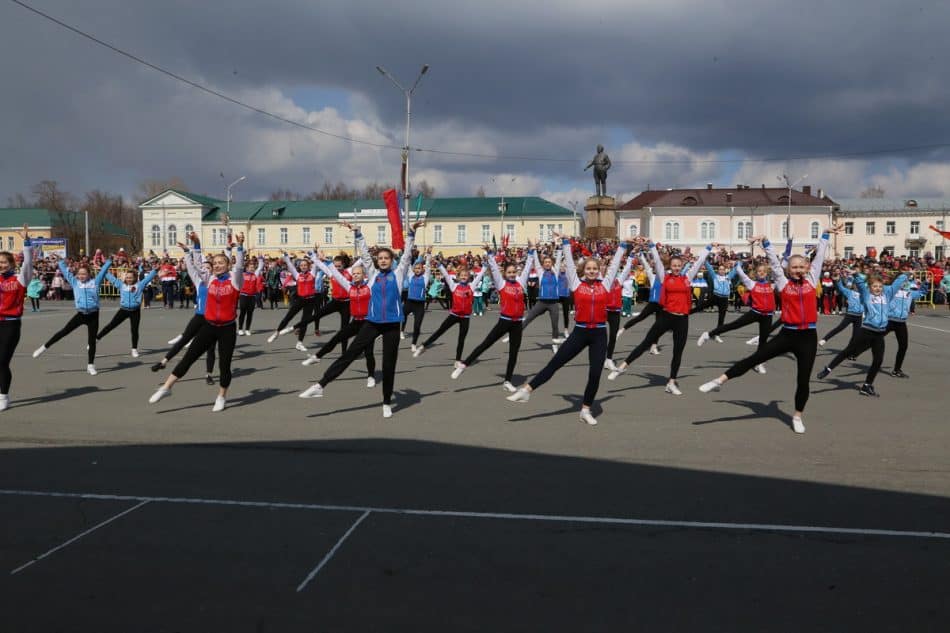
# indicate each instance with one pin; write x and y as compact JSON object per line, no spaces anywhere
{"x":682,"y":92}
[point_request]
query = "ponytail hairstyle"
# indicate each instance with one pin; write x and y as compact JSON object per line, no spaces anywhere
{"x":343,"y":258}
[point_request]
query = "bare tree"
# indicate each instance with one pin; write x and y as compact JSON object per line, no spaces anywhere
{"x":19,"y":201}
{"x":875,"y":192}
{"x":481,"y":192}
{"x":150,"y":188}
{"x":427,"y":190}
{"x":285,"y":194}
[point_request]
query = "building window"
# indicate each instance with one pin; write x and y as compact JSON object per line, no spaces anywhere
{"x":223,"y":236}
{"x":784,"y":229}
{"x":380,"y":233}
{"x":888,"y":250}
{"x":510,"y":231}
{"x":172,"y":234}
{"x":10,"y":246}
{"x":486,"y":233}
{"x":460,"y":234}
{"x":305,"y":234}
{"x":915,"y":227}
{"x":156,"y":235}
{"x":815,"y":230}
{"x":560,"y":229}
{"x":744,"y":230}
{"x":328,"y":235}
{"x":437,"y":234}
{"x":890,"y":227}
{"x":848,"y":252}
{"x":707,"y":230}
{"x":940,"y":224}
{"x":540,"y":232}
{"x":849,"y":228}
{"x":938,"y":252}
{"x":671,"y":231}
{"x":261,"y":237}
{"x":550,"y":235}
{"x":913,"y":252}
{"x":634,"y":231}
{"x":189,"y":229}
{"x":283,"y":236}
{"x":214,"y":237}
{"x":869,"y":228}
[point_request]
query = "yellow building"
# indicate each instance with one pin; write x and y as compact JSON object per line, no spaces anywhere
{"x":40,"y":222}
{"x":453,"y":225}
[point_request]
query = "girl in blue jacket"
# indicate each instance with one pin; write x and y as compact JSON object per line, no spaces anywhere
{"x":130,"y":304}
{"x":86,"y":299}
{"x":902,"y":298}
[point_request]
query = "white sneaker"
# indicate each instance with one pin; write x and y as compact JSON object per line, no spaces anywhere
{"x":314,"y":391}
{"x":712,"y":385}
{"x":4,"y":402}
{"x":158,"y":395}
{"x":673,"y":388}
{"x":505,"y":339}
{"x":520,"y":395}
{"x":458,"y":371}
{"x":702,"y":339}
{"x":760,"y":369}
{"x":286,"y":330}
{"x":616,"y":372}
{"x":654,"y":350}
{"x":313,"y":359}
{"x":91,"y":369}
{"x":402,"y":336}
{"x":510,"y":388}
{"x":248,"y":333}
{"x":219,"y":403}
{"x":175,"y":340}
{"x":753,"y":341}
{"x":797,"y":425}
{"x":609,"y":364}
{"x":370,"y":382}
{"x":413,"y":347}
{"x":587,"y":417}
{"x":273,"y":337}
{"x":719,"y":339}
{"x":188,"y":344}
{"x":554,"y":349}
{"x":39,"y":350}
{"x":636,"y":314}
{"x":300,"y":347}
{"x":566,"y":334}
{"x":620,"y":332}
{"x":557,"y":341}
{"x":418,"y":351}
{"x":135,"y":353}
{"x":822,"y":342}
{"x":387,"y":411}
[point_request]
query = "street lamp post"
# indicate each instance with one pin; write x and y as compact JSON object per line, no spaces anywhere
{"x":405,"y":150}
{"x":573,"y":204}
{"x":502,"y":206}
{"x":228,"y":212}
{"x":788,"y":215}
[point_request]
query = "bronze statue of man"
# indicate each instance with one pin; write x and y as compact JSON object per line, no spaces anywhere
{"x":601,"y":164}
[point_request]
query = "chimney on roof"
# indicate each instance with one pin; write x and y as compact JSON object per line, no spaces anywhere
{"x":821,"y":194}
{"x":739,"y":186}
{"x":709,"y":186}
{"x":763,"y":186}
{"x":728,"y":197}
{"x":806,"y":189}
{"x":747,"y":187}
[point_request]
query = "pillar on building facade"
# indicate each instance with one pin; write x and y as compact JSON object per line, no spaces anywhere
{"x":601,"y":212}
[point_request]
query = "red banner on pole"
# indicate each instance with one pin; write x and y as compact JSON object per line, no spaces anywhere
{"x":391,"y":197}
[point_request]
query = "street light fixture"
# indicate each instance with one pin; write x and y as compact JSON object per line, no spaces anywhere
{"x":405,"y":150}
{"x":573,"y":204}
{"x":788,"y":216}
{"x":229,"y":194}
{"x":502,"y":206}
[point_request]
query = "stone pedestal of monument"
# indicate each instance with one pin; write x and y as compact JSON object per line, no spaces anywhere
{"x":601,"y":214}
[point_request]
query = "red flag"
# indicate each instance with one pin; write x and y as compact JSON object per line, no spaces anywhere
{"x":395,"y":221}
{"x":504,"y":241}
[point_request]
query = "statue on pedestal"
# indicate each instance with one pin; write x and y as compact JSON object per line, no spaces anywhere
{"x":601,"y":164}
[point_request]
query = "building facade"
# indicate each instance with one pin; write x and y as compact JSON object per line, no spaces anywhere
{"x":694,"y":218}
{"x":899,"y":227}
{"x":453,"y":225}
{"x":40,"y":222}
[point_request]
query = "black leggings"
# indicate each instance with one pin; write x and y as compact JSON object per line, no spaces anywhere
{"x":168,"y":294}
{"x":721,"y":303}
{"x":449,"y":321}
{"x":134,"y":317}
{"x":306,"y":306}
{"x":225,"y":336}
{"x":539,"y":308}
{"x":595,"y":340}
{"x":364,"y":339}
{"x":651,"y":308}
{"x":418,"y":310}
{"x":91,"y":321}
{"x":802,"y":343}
{"x":35,"y":303}
{"x":504,"y":326}
{"x":861,"y":341}
{"x":246,"y":303}
{"x":191,"y":330}
{"x":678,"y":324}
{"x":750,"y":317}
{"x":566,"y":303}
{"x":853,"y":319}
{"x":9,"y":339}
{"x":899,"y":328}
{"x":613,"y":326}
{"x":342,"y":335}
{"x":331,"y":306}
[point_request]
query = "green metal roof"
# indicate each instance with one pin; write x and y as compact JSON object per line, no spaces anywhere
{"x":16,"y":218}
{"x":205,"y":200}
{"x":239,"y":211}
{"x":531,"y":206}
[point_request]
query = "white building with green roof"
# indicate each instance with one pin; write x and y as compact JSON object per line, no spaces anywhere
{"x":453,"y":225}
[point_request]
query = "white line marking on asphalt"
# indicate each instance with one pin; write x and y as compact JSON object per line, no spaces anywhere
{"x":326,"y":559}
{"x":927,"y":327}
{"x":78,"y":536}
{"x":716,"y":525}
